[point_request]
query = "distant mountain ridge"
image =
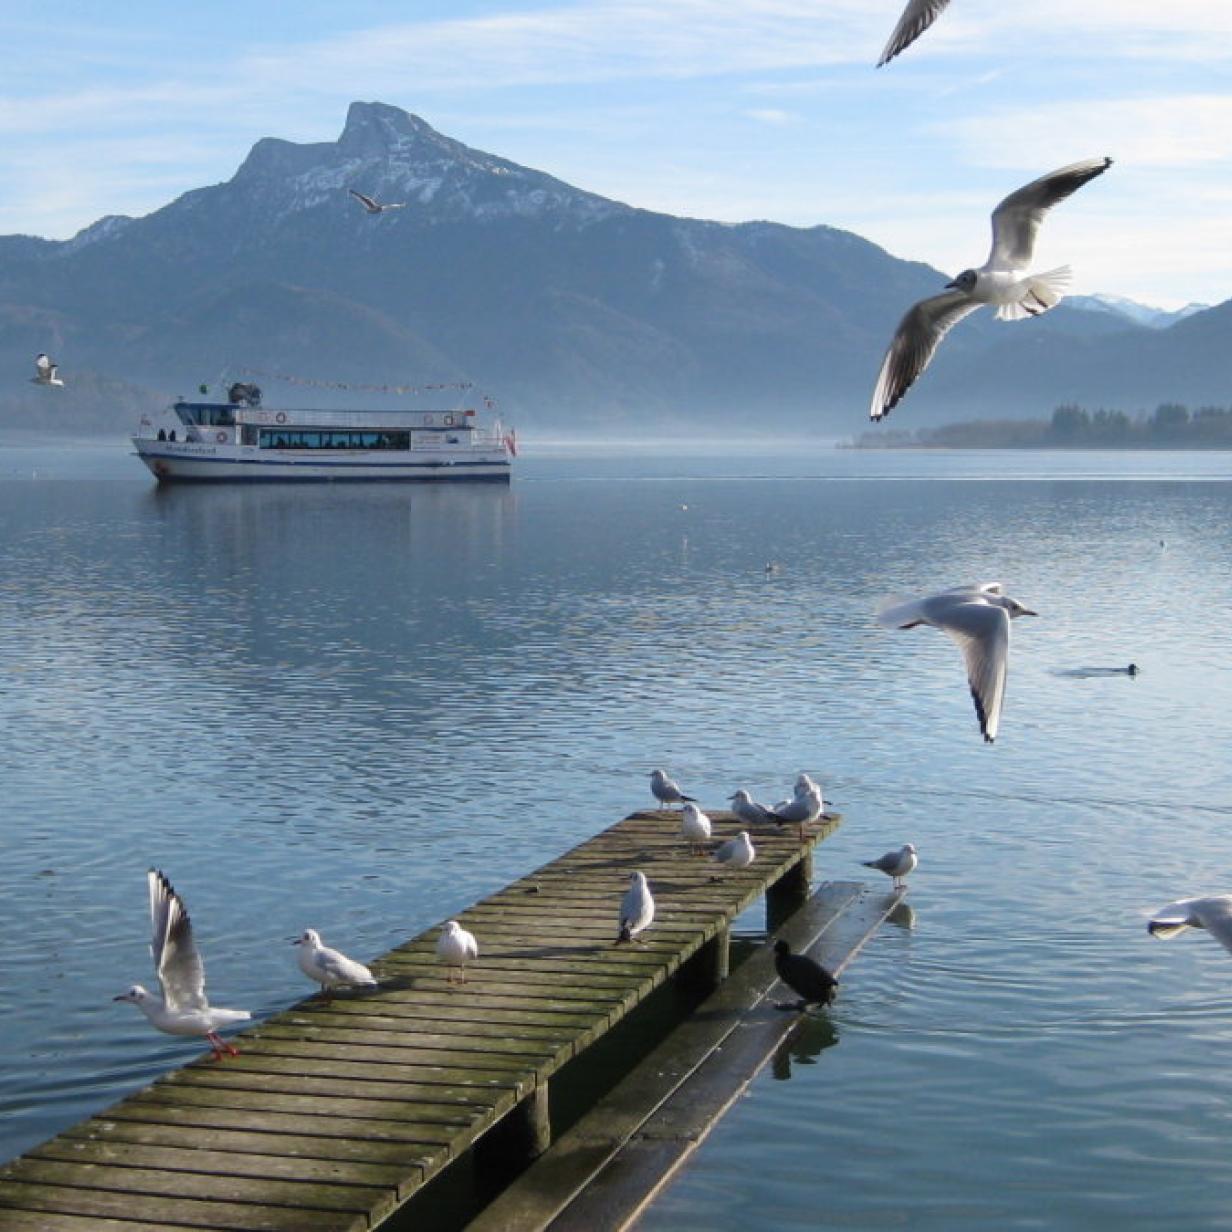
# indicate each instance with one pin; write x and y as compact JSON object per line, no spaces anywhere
{"x":575,"y":310}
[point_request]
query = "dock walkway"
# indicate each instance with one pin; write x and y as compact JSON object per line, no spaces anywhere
{"x":336,"y":1113}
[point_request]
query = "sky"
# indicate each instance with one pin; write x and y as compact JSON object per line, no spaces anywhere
{"x":724,"y":109}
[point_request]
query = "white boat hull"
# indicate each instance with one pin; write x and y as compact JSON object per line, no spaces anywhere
{"x":187,"y":461}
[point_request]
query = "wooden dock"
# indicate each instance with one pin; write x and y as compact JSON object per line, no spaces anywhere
{"x":336,"y":1114}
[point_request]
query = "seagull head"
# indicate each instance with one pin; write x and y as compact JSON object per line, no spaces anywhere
{"x":964,"y":282}
{"x":309,"y":936}
{"x":741,"y":797}
{"x":909,"y":848}
{"x":451,"y":927}
{"x":637,"y":879}
{"x":136,"y":994}
{"x":1018,"y":609}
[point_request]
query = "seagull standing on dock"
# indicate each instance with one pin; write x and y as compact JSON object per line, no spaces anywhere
{"x":46,"y":371}
{"x":667,"y":791}
{"x":806,"y":977}
{"x":1002,"y":281}
{"x":896,"y":864}
{"x":737,"y":852}
{"x":695,"y":827}
{"x":916,"y":18}
{"x":978,"y":619}
{"x":376,"y":207}
{"x":801,"y":811}
{"x":1214,"y":914}
{"x":330,"y":968}
{"x":182,"y":1009}
{"x":456,"y":947}
{"x":748,"y":810}
{"x":636,"y":908}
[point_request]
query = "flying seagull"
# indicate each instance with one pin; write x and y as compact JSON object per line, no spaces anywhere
{"x":330,"y":968}
{"x":182,"y":1009}
{"x":636,"y":908}
{"x":896,"y":864}
{"x":1002,"y":281}
{"x":695,"y":827}
{"x":805,"y":976}
{"x":978,"y":619}
{"x":916,"y":18}
{"x":376,"y":207}
{"x":1213,"y":914}
{"x":456,"y":947}
{"x":665,"y":790}
{"x":46,"y":371}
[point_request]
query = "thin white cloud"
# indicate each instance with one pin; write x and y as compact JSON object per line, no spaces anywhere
{"x":773,"y":115}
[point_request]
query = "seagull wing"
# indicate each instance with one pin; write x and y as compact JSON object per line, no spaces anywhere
{"x":1215,"y":915}
{"x":367,"y":202}
{"x":176,"y":960}
{"x":916,"y":18}
{"x":982,"y":631}
{"x":916,"y":341}
{"x":1016,"y":221}
{"x":339,"y":967}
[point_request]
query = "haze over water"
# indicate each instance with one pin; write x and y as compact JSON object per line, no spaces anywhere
{"x":360,"y":708}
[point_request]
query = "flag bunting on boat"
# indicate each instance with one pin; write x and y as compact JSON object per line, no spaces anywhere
{"x":379,"y":389}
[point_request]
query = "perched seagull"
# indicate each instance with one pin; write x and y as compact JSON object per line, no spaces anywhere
{"x":695,"y":827}
{"x":978,"y":619}
{"x":806,"y":977}
{"x":896,"y":864}
{"x":736,"y":852}
{"x":330,"y":968}
{"x":46,"y":371}
{"x":182,"y":1009}
{"x":748,"y":810}
{"x":456,"y":947}
{"x":916,"y":18}
{"x":1213,"y":914}
{"x":803,"y":785}
{"x":375,"y":207}
{"x":1002,"y":281}
{"x":636,"y":908}
{"x":802,"y":810}
{"x":665,"y":790}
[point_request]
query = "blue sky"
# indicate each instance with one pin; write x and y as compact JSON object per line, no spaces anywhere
{"x":726,"y":109}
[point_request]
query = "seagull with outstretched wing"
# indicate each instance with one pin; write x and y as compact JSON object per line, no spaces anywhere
{"x":916,"y":18}
{"x":46,"y":371}
{"x":373,"y":206}
{"x":1214,"y":914}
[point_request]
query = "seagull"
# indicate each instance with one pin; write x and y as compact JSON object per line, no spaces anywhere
{"x":803,"y":785}
{"x":916,"y":18}
{"x":1214,"y":914}
{"x":695,"y":827}
{"x":736,"y":852}
{"x":456,"y":947}
{"x":636,"y":908}
{"x":896,"y":864}
{"x":978,"y":619}
{"x":376,"y":207}
{"x":667,"y":791}
{"x":47,"y":371}
{"x":801,"y":810}
{"x":1002,"y":281}
{"x":330,"y":968}
{"x":806,"y":977}
{"x":748,"y":810}
{"x":182,"y":1009}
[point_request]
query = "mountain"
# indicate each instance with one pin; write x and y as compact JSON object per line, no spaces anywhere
{"x":1130,"y":310}
{"x":574,"y":310}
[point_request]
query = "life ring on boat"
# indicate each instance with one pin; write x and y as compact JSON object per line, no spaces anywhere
{"x":449,"y":421}
{"x":221,"y":438}
{"x":281,"y":417}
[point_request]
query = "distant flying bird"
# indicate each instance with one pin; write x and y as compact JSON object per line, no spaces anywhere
{"x":46,"y":371}
{"x":916,"y":18}
{"x":806,"y":977}
{"x":183,"y":1008}
{"x":636,"y":908}
{"x":1002,"y":281}
{"x":376,"y":207}
{"x":1214,"y":914}
{"x":665,"y":790}
{"x":456,"y":947}
{"x":896,"y":864}
{"x":748,"y":810}
{"x":330,"y":968}
{"x":737,"y":852}
{"x":978,"y":619}
{"x":695,"y":827}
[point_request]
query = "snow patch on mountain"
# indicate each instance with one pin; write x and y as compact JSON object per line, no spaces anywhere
{"x":1131,"y":310}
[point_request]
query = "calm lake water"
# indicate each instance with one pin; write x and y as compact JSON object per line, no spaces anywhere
{"x":358,"y":708}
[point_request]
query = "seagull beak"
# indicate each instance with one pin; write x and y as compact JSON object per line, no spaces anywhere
{"x":296,"y":940}
{"x":122,"y":997}
{"x":951,"y":286}
{"x":1026,"y":611}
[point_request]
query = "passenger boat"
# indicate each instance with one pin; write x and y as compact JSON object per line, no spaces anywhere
{"x":241,"y":439}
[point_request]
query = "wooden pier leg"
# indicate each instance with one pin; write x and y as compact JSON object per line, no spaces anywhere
{"x":717,"y":960}
{"x":513,"y":1143}
{"x":787,"y":895}
{"x":530,"y":1125}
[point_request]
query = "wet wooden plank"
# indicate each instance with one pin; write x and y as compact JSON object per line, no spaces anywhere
{"x":12,"y":1220}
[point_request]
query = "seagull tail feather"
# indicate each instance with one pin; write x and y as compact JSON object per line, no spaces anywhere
{"x":1042,"y":291}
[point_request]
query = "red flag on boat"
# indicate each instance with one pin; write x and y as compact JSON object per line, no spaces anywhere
{"x":511,"y":441}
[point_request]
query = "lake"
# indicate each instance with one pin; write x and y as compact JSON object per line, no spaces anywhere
{"x":360,"y":708}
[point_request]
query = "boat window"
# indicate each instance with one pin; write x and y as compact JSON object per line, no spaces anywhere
{"x":323,"y":438}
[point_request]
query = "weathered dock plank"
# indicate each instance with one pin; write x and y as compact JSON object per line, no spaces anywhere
{"x":338,"y":1110}
{"x":603,"y":1171}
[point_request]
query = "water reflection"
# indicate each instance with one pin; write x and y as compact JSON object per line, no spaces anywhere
{"x":805,"y":1042}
